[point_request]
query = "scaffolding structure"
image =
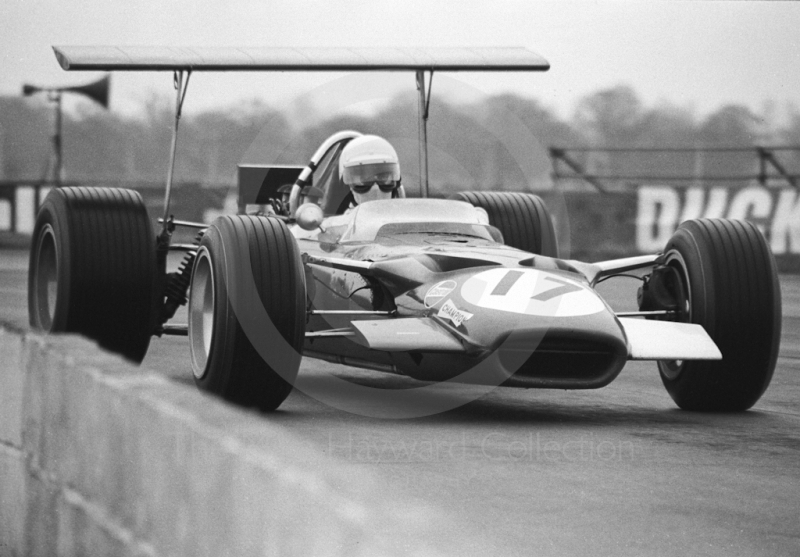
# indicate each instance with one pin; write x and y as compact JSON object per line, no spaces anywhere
{"x":614,"y":169}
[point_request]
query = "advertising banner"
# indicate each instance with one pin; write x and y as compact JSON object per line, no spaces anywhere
{"x":776,"y":211}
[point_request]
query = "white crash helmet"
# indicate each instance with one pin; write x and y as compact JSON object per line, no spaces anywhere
{"x":369,"y":159}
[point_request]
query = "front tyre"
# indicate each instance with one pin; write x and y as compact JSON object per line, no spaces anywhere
{"x":732,"y":290}
{"x":92,"y":268}
{"x":247,"y":311}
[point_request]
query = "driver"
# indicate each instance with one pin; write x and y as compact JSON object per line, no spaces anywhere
{"x":370,"y":168}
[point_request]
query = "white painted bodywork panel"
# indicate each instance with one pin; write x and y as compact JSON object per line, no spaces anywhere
{"x":667,"y":340}
{"x":401,"y":335}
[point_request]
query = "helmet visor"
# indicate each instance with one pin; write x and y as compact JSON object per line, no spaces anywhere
{"x":384,"y":173}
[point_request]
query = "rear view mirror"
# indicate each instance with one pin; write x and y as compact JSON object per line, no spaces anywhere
{"x":309,"y":216}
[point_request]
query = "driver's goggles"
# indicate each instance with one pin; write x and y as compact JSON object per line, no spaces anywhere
{"x":384,"y":186}
{"x":385,"y":174}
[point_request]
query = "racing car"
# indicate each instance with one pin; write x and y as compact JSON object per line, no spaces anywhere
{"x":470,"y":289}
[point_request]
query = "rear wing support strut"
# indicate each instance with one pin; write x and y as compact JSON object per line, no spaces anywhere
{"x":424,"y":106}
{"x":181,"y":86}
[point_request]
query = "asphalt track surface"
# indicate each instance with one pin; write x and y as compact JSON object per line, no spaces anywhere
{"x":614,"y":471}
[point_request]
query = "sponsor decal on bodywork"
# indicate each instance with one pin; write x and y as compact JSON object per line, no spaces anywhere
{"x":451,"y":312}
{"x":438,"y":291}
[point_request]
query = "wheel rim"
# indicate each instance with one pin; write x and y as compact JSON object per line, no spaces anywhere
{"x":201,"y":313}
{"x":45,"y":279}
{"x":672,"y":368}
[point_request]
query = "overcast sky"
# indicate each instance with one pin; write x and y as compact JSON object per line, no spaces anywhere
{"x":695,"y":54}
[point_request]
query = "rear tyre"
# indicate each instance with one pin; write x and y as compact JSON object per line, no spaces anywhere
{"x":92,"y":268}
{"x":523,"y":219}
{"x":247,"y":311}
{"x":731,"y":288}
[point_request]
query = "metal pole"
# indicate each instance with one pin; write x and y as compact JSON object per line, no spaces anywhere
{"x":423,"y":134}
{"x":181,"y":87}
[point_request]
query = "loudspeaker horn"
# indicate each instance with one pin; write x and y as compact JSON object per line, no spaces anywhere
{"x":97,"y":91}
{"x":28,"y":90}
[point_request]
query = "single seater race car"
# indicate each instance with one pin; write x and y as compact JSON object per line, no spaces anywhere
{"x":469,"y":289}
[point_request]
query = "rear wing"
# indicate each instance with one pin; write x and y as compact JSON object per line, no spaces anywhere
{"x":155,"y":58}
{"x":183,"y":61}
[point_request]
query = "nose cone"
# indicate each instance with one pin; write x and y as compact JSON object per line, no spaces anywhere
{"x":536,"y":328}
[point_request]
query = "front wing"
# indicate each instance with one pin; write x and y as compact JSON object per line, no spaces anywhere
{"x":646,"y":339}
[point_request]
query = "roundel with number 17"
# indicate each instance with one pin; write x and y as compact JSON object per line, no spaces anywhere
{"x":531,"y":292}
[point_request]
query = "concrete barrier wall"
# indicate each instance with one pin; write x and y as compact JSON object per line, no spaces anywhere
{"x":98,"y":457}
